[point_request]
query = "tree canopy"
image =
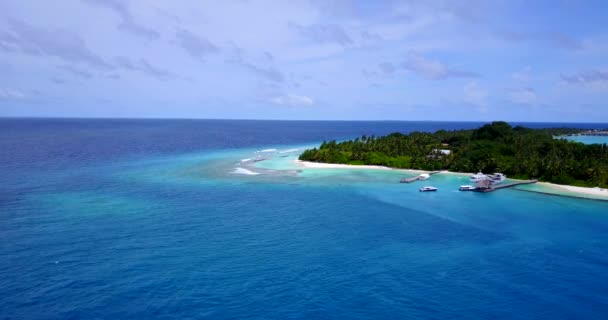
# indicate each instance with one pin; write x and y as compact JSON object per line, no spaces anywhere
{"x":518,"y":152}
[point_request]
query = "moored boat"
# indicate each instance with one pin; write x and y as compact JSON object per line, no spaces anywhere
{"x":498,"y":178}
{"x":478,"y":177}
{"x":466,"y":188}
{"x":427,"y":189}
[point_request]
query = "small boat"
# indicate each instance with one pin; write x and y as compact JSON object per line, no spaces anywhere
{"x":498,"y":178}
{"x":478,"y":177}
{"x":466,"y":188}
{"x":424,"y":176}
{"x":427,"y":189}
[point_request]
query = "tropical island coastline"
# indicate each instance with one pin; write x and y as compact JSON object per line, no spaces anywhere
{"x":519,"y":152}
{"x":573,"y":190}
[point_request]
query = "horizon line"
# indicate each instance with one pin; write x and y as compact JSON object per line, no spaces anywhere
{"x":286,"y":120}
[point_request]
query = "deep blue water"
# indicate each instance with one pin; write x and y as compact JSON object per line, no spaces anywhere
{"x":143,"y":219}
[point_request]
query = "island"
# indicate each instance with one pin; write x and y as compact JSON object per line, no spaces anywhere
{"x":519,"y":152}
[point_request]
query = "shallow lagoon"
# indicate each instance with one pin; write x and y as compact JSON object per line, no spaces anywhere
{"x":587,"y":139}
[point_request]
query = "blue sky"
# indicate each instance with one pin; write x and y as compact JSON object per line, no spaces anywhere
{"x":314,"y":59}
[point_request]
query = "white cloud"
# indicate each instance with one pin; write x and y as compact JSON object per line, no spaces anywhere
{"x":324,"y":33}
{"x":590,"y":76}
{"x":10,"y":94}
{"x":194,"y":44}
{"x":63,"y":44}
{"x":433,"y":69}
{"x":147,"y":54}
{"x":476,"y":96}
{"x":595,"y":79}
{"x":525,"y":96}
{"x":128,"y":21}
{"x":292,"y":100}
{"x":429,"y":69}
{"x":522,"y":76}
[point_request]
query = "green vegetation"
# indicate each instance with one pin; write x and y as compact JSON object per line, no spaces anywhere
{"x":497,"y":147}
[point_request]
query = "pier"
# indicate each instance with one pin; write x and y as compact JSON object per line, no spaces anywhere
{"x":410,"y":180}
{"x":422,"y":176}
{"x":503,"y":186}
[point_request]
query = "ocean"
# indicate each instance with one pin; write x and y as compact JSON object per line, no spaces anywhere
{"x":588,"y":139}
{"x":148,"y":219}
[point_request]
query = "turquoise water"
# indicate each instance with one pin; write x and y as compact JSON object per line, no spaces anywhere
{"x":153,"y":219}
{"x":588,"y":139}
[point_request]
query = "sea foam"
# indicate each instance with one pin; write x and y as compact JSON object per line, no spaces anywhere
{"x":244,"y":171}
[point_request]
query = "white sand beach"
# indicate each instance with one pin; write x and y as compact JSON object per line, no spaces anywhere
{"x":319,"y":165}
{"x":580,"y":190}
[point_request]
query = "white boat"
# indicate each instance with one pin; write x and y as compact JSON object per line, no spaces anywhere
{"x":427,"y":189}
{"x":466,"y":188}
{"x":478,"y":177}
{"x":424,"y":176}
{"x":498,"y":178}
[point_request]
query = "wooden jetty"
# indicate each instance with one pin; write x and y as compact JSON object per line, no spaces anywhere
{"x":410,"y":180}
{"x":490,"y":188}
{"x":418,"y":177}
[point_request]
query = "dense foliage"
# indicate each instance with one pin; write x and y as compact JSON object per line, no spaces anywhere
{"x":497,"y":147}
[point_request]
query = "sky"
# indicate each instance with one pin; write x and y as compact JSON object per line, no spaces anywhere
{"x":306,"y":60}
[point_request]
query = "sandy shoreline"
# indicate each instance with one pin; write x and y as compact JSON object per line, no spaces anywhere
{"x":319,"y":165}
{"x":600,"y":192}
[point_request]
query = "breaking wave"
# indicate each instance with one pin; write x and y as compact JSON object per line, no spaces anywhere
{"x":244,"y":171}
{"x":268,"y":150}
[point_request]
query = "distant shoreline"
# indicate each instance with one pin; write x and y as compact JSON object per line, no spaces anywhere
{"x":558,"y":187}
{"x":321,"y":165}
